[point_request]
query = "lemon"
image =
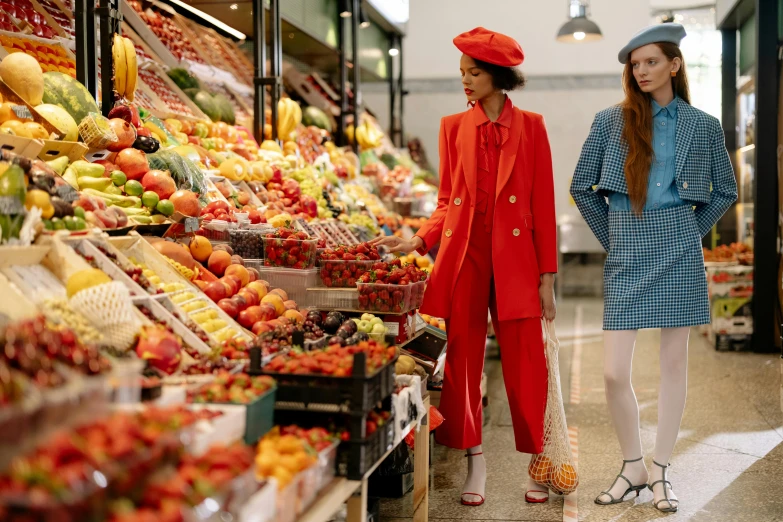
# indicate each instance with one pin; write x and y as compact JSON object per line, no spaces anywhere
{"x":85,"y":279}
{"x":37,"y":198}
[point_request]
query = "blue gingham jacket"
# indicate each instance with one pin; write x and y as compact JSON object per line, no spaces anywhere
{"x":704,"y":175}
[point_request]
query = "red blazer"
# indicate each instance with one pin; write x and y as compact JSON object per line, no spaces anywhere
{"x":524,"y":242}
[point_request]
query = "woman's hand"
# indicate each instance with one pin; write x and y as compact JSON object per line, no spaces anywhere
{"x":396,"y":244}
{"x":546,"y":292}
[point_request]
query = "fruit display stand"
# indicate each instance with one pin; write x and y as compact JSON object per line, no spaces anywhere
{"x":51,"y":54}
{"x":214,"y":51}
{"x":165,"y":94}
{"x":133,"y":18}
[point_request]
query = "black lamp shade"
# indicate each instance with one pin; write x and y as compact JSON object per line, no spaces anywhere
{"x":579,"y":25}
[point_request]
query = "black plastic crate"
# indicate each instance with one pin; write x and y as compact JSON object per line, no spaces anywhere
{"x":356,"y":393}
{"x":356,"y":457}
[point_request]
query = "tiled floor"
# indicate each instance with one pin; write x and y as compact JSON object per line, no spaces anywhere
{"x":728,"y":463}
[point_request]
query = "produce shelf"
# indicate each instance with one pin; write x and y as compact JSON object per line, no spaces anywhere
{"x":163,"y":89}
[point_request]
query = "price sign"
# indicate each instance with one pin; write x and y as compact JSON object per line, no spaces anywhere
{"x":10,"y":205}
{"x":22,"y":112}
{"x":191,"y":225}
{"x":67,"y":193}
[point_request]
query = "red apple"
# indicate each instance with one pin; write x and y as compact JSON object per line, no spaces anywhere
{"x":229,"y":306}
{"x":216,"y":291}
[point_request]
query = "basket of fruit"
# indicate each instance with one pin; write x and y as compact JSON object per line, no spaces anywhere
{"x":256,"y":392}
{"x":288,"y":248}
{"x":391,"y":289}
{"x":342,"y":266}
{"x":338,"y":378}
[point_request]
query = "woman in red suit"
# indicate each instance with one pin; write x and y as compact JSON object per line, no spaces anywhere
{"x":495,"y":222}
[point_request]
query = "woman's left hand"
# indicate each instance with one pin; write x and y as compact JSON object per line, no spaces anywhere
{"x":546,"y":292}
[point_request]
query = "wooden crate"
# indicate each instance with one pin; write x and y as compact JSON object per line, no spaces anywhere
{"x":55,"y":149}
{"x":10,"y":96}
{"x":26,"y":147}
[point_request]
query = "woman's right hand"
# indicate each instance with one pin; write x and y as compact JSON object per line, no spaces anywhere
{"x":396,"y":244}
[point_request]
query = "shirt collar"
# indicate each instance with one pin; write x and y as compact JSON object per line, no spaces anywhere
{"x":670,"y":110}
{"x":480,"y":117}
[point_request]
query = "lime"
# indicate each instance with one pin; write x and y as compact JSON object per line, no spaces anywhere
{"x":79,"y":223}
{"x":58,"y":224}
{"x":165,"y":207}
{"x":70,"y":222}
{"x":149,"y":199}
{"x":119,"y":178}
{"x":133,"y":188}
{"x":48,"y":225}
{"x":79,"y":212}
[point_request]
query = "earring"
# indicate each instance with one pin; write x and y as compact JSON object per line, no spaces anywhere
{"x":674,"y":74}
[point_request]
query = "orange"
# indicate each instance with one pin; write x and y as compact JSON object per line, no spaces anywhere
{"x":200,"y":248}
{"x":564,"y":480}
{"x":539,"y":469}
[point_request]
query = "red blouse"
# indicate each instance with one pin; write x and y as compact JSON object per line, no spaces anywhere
{"x":491,"y":136}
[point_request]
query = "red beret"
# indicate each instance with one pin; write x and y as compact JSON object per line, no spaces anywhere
{"x":491,"y":47}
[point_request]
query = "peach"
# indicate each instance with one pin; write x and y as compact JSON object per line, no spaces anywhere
{"x":275,"y":301}
{"x":268,"y":312}
{"x":259,"y":287}
{"x":290,"y":305}
{"x":200,"y":248}
{"x":216,"y":291}
{"x":240,"y":272}
{"x":262,"y":327}
{"x":250,"y":296}
{"x":219,"y":260}
{"x":282,"y":293}
{"x":294,"y":316}
{"x":234,"y":281}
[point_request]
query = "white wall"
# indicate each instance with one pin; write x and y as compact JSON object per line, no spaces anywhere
{"x":563,"y":77}
{"x":429,"y":52}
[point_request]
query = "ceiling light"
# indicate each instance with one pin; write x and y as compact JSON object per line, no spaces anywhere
{"x":364,"y":23}
{"x":234,"y":7}
{"x":579,"y":28}
{"x":394,"y":51}
{"x":345,"y":11}
{"x":211,"y":19}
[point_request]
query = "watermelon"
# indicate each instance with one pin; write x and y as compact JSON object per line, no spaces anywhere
{"x":183,"y":79}
{"x":226,"y":110}
{"x":60,"y":89}
{"x":192,"y":92}
{"x":315,"y":116}
{"x":207,"y":104}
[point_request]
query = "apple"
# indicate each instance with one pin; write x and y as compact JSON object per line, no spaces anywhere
{"x":377,"y":320}
{"x":216,"y":291}
{"x":250,"y":316}
{"x":364,"y":326}
{"x":378,"y":329}
{"x":367,"y":317}
{"x":229,"y":306}
{"x":241,"y":302}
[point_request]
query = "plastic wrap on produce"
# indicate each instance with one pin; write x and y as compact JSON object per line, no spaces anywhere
{"x":186,"y":174}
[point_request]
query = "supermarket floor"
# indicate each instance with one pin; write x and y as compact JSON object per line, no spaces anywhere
{"x":728,"y":463}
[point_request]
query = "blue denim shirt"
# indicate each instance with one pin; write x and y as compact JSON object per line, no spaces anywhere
{"x":661,"y":189}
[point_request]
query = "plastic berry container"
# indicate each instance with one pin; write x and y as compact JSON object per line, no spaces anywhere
{"x":386,"y":299}
{"x":341,"y":273}
{"x":299,"y":254}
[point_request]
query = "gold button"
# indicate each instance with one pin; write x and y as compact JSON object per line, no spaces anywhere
{"x":516,"y":232}
{"x":448,"y":233}
{"x":513,"y":199}
{"x":458,"y":202}
{"x":685,"y":185}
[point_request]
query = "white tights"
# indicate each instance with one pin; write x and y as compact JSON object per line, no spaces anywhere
{"x":624,"y":410}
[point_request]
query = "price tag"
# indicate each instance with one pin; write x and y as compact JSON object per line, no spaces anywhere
{"x":10,"y":205}
{"x":67,"y":193}
{"x":191,"y":225}
{"x":22,"y":112}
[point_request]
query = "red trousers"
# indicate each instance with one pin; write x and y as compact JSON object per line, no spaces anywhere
{"x":522,"y":351}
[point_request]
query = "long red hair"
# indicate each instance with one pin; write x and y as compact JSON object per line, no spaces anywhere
{"x":637,"y":132}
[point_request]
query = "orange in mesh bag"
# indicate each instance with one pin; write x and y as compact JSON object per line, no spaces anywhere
{"x":435,"y":420}
{"x":555,"y":466}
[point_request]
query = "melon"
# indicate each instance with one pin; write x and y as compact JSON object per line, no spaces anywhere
{"x":226,"y":110}
{"x":315,"y":116}
{"x":22,"y":73}
{"x":204,"y":101}
{"x":60,"y":118}
{"x":60,"y":89}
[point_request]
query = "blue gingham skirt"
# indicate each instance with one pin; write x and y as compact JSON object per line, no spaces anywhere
{"x":654,"y":275}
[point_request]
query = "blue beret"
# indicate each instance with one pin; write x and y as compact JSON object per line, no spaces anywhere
{"x":673,"y":33}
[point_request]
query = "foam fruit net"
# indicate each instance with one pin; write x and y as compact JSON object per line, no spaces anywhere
{"x":109,"y":308}
{"x":555,"y":466}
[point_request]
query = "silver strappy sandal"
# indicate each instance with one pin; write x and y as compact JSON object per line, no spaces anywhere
{"x":632,"y":488}
{"x":673,"y":504}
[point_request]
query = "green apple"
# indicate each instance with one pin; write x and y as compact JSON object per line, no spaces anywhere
{"x":378,"y":328}
{"x":364,"y":326}
{"x":356,"y":320}
{"x":368,"y":317}
{"x":376,"y":320}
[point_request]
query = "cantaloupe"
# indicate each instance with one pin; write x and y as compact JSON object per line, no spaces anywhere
{"x":22,"y":73}
{"x":60,"y":118}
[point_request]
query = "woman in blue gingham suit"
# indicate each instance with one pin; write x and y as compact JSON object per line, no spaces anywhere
{"x":653,"y":178}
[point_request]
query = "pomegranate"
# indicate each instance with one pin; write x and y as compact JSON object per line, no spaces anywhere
{"x":160,"y":347}
{"x":159,"y":182}
{"x":186,"y":203}
{"x":133,"y":163}
{"x":126,"y":134}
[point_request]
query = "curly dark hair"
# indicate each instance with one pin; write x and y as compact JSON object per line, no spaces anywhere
{"x":503,"y":78}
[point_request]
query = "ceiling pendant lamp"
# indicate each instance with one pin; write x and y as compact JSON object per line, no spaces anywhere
{"x":579,"y":28}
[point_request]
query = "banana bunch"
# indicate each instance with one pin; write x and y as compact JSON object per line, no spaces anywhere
{"x":367,"y":136}
{"x":289,"y":116}
{"x":126,"y":71}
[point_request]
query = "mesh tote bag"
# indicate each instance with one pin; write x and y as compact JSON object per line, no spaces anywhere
{"x":555,"y":466}
{"x":110,"y":309}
